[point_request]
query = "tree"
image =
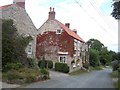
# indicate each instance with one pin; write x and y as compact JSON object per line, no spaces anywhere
{"x":94,"y":58}
{"x":95,"y":44}
{"x":13,"y":45}
{"x":116,"y":10}
{"x":118,"y":56}
{"x":104,"y":56}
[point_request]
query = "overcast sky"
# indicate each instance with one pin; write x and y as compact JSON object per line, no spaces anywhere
{"x":91,"y":18}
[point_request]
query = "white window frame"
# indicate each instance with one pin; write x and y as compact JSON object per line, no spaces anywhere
{"x":62,"y":61}
{"x":60,"y":31}
{"x":29,"y":48}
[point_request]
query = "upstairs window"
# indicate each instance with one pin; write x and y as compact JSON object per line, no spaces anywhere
{"x":58,"y":31}
{"x":29,"y":48}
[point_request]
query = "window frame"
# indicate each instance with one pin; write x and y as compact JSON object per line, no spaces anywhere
{"x":29,"y":49}
{"x":60,"y":31}
{"x":62,"y":60}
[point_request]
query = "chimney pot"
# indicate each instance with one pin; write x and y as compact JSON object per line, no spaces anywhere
{"x":51,"y":14}
{"x":50,"y":9}
{"x":67,"y":25}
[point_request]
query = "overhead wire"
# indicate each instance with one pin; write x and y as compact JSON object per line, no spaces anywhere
{"x":101,"y":13}
{"x":92,"y":17}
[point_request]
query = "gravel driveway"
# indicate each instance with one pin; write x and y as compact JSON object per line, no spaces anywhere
{"x":94,"y":79}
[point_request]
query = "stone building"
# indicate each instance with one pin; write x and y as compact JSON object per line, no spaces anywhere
{"x":53,"y":40}
{"x":22,"y":21}
{"x":57,"y":42}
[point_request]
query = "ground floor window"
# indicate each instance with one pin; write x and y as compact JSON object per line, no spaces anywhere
{"x":62,"y":59}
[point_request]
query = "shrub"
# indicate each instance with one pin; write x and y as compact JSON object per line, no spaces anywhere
{"x":86,"y":65}
{"x":45,"y":74}
{"x":14,"y":66}
{"x":32,"y":63}
{"x":62,"y":67}
{"x":12,"y":76}
{"x":115,"y":65}
{"x":42,"y":64}
{"x":50,"y":64}
{"x":44,"y":71}
{"x":45,"y":64}
{"x":30,"y":78}
{"x":26,"y":75}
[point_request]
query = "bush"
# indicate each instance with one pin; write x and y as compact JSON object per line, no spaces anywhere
{"x":62,"y":67}
{"x":42,"y":64}
{"x":45,"y":74}
{"x":26,"y":75}
{"x":44,"y":71}
{"x":45,"y":64}
{"x":14,"y":66}
{"x":32,"y":63}
{"x":50,"y":64}
{"x":86,"y":65}
{"x":12,"y":76}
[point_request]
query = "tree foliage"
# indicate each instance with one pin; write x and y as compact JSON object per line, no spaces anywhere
{"x":95,"y":44}
{"x":94,"y":58}
{"x":99,"y":54}
{"x":13,"y":45}
{"x":116,"y":10}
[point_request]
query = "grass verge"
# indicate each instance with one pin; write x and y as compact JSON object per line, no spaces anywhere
{"x":96,"y":68}
{"x":78,"y":72}
{"x":116,"y":75}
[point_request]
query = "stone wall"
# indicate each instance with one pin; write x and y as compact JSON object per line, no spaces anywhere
{"x":22,"y":22}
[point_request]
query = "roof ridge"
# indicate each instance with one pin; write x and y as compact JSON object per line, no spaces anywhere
{"x":70,"y":32}
{"x":6,"y":6}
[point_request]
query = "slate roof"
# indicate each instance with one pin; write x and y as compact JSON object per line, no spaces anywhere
{"x":5,"y":6}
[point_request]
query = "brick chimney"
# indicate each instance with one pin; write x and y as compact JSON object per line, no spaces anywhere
{"x":67,"y":25}
{"x":51,"y":14}
{"x":20,"y":3}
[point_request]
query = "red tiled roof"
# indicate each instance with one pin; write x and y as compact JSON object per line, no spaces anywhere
{"x":70,"y":32}
{"x":6,"y":6}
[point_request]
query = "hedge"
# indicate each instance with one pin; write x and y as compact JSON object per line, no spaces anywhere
{"x":62,"y":67}
{"x":50,"y":64}
{"x":42,"y":64}
{"x":45,"y":64}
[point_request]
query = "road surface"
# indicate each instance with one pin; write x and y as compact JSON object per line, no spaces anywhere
{"x":94,"y":79}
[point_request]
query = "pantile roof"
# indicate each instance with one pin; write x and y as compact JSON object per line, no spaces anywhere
{"x":69,"y":31}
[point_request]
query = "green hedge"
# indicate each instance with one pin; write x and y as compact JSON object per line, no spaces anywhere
{"x":42,"y":64}
{"x":62,"y":67}
{"x":45,"y":64}
{"x":50,"y":64}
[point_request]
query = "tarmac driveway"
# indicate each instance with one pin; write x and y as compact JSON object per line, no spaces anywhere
{"x":94,"y":79}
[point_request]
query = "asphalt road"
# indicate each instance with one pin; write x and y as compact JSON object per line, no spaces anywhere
{"x":94,"y":79}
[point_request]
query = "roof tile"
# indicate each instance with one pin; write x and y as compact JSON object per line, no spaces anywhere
{"x":70,"y":32}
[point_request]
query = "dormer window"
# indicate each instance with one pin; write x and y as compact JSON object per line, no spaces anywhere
{"x":58,"y":31}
